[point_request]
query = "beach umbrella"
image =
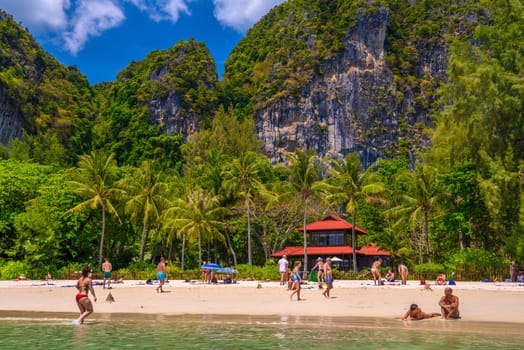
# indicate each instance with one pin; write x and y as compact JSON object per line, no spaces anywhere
{"x":211,"y":266}
{"x":336,"y":259}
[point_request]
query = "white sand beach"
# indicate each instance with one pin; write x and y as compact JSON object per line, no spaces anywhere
{"x":479,"y":301}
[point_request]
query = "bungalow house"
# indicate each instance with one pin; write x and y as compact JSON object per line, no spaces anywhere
{"x":331,"y":237}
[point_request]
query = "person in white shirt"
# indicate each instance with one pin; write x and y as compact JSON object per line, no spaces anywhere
{"x":283,"y":269}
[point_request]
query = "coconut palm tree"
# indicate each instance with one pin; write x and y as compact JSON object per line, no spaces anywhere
{"x":417,"y":203}
{"x":94,"y":180}
{"x":305,"y":171}
{"x":145,"y":194}
{"x":241,"y":179}
{"x":196,"y":217}
{"x":348,"y":185}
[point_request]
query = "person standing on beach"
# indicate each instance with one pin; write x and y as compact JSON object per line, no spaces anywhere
{"x":449,"y":304}
{"x":415,"y":313}
{"x":328,"y":276}
{"x":403,"y":272}
{"x":320,"y":275}
{"x":512,"y":275}
{"x":282,"y":268}
{"x":84,"y":285}
{"x":375,"y":271}
{"x":297,"y":280}
{"x":161,"y":274}
{"x":107,"y":268}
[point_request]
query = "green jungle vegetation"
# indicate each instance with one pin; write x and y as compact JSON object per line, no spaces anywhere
{"x":93,"y":177}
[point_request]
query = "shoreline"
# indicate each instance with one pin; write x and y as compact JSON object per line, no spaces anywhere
{"x":479,"y":301}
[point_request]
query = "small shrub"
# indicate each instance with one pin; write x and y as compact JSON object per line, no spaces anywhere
{"x":12,"y":269}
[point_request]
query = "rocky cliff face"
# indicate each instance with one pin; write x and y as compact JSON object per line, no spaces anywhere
{"x":353,"y":106}
{"x":10,"y":121}
{"x":168,"y":111}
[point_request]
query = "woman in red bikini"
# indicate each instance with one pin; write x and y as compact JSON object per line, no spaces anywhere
{"x":84,"y":286}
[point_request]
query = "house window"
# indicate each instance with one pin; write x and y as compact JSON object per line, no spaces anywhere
{"x":321,"y":239}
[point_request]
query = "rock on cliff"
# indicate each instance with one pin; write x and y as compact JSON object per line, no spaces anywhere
{"x":350,"y":107}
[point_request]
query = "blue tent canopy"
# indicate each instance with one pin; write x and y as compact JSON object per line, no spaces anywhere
{"x":211,"y":266}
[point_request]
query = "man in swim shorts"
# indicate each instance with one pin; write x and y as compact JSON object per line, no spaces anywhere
{"x":161,"y":274}
{"x":328,"y":276}
{"x":107,"y":268}
{"x":449,"y":304}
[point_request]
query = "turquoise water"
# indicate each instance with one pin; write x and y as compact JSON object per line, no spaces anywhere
{"x":55,"y":331}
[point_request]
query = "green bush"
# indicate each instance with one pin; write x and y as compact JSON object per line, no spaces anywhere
{"x":260,"y":273}
{"x":12,"y":269}
{"x":476,"y":264}
{"x":429,"y":267}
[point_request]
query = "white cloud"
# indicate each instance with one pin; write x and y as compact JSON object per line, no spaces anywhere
{"x":39,"y":16}
{"x":242,"y":14}
{"x":162,"y":10}
{"x":91,"y":18}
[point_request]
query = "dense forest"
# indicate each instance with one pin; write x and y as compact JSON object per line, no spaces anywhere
{"x":93,"y":176}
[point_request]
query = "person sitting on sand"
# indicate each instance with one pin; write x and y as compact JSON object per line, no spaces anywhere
{"x":520,"y":276}
{"x":390,"y":276}
{"x":449,"y":304}
{"x":441,"y":279}
{"x":415,"y":313}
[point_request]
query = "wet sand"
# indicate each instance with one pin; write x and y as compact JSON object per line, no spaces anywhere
{"x":479,"y":302}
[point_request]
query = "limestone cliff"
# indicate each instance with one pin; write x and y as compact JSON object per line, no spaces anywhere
{"x":351,"y":107}
{"x":10,"y":121}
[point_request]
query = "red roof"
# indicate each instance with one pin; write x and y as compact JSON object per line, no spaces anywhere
{"x":328,"y":250}
{"x":330,"y":223}
{"x":372,"y":249}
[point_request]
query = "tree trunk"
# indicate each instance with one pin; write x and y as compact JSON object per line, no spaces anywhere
{"x":183,"y":257}
{"x":226,"y":231}
{"x":426,"y":234}
{"x":170,"y":252}
{"x":101,"y":250}
{"x":305,"y":236}
{"x":248,"y":211}
{"x":354,"y":241}
{"x":143,"y":243}
{"x":199,"y":250}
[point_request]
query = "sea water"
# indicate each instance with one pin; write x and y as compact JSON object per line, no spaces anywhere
{"x":55,"y":331}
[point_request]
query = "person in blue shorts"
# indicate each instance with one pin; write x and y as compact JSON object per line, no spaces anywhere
{"x":161,"y":274}
{"x":107,"y":268}
{"x":328,"y":276}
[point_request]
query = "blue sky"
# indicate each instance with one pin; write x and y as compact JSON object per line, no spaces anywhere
{"x":101,"y":37}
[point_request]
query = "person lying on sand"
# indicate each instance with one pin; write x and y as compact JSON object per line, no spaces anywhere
{"x":415,"y":313}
